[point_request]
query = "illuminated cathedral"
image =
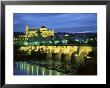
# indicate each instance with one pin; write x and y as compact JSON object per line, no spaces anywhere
{"x":42,"y":31}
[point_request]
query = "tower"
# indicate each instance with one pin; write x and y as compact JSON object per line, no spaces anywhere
{"x":27,"y":29}
{"x":52,"y":32}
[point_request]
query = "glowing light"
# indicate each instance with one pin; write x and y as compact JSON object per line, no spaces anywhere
{"x":77,"y":40}
{"x":22,"y":66}
{"x":25,"y":43}
{"x":89,"y":57}
{"x":76,"y":55}
{"x":43,"y":71}
{"x":50,"y":72}
{"x":66,"y":35}
{"x":86,"y":42}
{"x":27,"y":69}
{"x":64,"y":41}
{"x":37,"y":70}
{"x":56,"y":42}
{"x":32,"y":69}
{"x":36,"y":42}
{"x":91,"y":39}
{"x":43,"y":42}
{"x":50,"y":41}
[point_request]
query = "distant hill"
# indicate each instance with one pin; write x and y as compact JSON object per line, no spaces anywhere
{"x":75,"y":35}
{"x":18,"y":34}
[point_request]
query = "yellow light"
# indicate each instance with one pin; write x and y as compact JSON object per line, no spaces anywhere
{"x":89,"y":57}
{"x":76,"y":55}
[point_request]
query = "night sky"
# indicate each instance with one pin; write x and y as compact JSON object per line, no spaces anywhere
{"x":60,"y":22}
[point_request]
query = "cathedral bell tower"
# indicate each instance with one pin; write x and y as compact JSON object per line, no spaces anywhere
{"x":27,"y":29}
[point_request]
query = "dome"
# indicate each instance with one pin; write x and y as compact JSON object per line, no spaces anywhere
{"x":43,"y":27}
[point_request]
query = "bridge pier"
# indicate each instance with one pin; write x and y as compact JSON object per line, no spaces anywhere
{"x":48,"y":56}
{"x":82,"y":55}
{"x":66,"y":57}
{"x":56,"y":56}
{"x":73,"y":58}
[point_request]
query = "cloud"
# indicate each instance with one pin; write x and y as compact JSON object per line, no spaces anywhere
{"x":57,"y":21}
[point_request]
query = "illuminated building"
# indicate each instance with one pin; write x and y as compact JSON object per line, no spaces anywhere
{"x":42,"y":31}
{"x":33,"y":36}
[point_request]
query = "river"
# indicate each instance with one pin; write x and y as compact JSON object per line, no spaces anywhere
{"x":26,"y":68}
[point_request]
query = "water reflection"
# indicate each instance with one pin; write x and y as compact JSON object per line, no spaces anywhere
{"x":27,"y":68}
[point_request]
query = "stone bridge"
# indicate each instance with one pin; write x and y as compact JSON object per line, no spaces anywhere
{"x":62,"y":53}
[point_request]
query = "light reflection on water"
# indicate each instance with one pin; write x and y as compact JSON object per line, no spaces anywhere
{"x":30,"y":69}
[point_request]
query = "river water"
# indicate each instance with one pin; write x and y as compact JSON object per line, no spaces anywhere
{"x":26,"y":68}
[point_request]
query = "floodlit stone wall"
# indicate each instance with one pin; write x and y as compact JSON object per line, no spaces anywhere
{"x":61,"y":53}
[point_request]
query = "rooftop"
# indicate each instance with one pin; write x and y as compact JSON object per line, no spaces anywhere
{"x":33,"y":29}
{"x":43,"y":27}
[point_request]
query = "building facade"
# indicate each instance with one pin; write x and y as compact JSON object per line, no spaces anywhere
{"x":41,"y":32}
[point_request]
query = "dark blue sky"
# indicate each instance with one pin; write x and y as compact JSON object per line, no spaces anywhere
{"x":60,"y":22}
